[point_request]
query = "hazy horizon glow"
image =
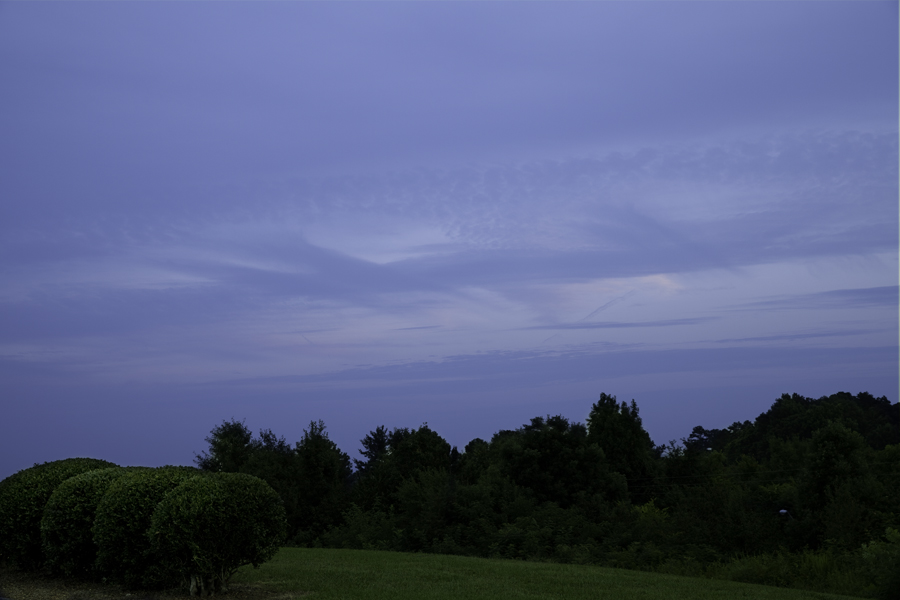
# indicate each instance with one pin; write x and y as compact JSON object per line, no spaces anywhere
{"x":467,"y":214}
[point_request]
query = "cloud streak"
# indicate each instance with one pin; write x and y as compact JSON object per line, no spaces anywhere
{"x":613,"y":325}
{"x":875,"y":297}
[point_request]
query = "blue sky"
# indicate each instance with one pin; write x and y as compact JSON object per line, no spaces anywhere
{"x":466,"y":214}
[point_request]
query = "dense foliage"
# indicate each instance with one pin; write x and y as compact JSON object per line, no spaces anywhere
{"x":208,"y":526}
{"x":807,"y":494}
{"x":23,"y":497}
{"x":312,"y":477}
{"x":139,"y":526}
{"x":66,"y":536}
{"x":124,"y":552}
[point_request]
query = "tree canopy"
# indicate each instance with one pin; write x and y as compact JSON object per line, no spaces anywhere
{"x":807,"y":475}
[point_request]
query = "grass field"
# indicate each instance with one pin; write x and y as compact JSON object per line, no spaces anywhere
{"x":351,"y":574}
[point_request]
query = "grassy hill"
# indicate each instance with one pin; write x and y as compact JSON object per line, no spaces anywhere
{"x":370,"y":575}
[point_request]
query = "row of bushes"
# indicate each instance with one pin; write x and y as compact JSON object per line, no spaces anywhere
{"x":141,"y":527}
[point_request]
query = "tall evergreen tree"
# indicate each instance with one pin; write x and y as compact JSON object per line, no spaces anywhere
{"x":324,"y":472}
{"x":617,"y":429}
{"x":374,"y":448}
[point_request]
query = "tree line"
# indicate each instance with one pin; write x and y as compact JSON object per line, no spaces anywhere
{"x":815,"y":480}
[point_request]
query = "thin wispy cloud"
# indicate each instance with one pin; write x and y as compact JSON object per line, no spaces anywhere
{"x":793,"y":337}
{"x":614,"y":325}
{"x":882,"y":296}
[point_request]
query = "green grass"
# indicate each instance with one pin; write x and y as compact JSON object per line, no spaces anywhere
{"x":350,"y":574}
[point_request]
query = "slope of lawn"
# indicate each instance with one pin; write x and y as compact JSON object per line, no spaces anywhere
{"x":369,"y":575}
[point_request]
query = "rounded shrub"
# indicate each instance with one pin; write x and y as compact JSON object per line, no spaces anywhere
{"x":123,"y":517}
{"x":66,"y":536}
{"x":209,"y":526}
{"x":23,"y":497}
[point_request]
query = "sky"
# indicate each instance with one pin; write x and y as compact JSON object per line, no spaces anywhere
{"x":459,"y":214}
